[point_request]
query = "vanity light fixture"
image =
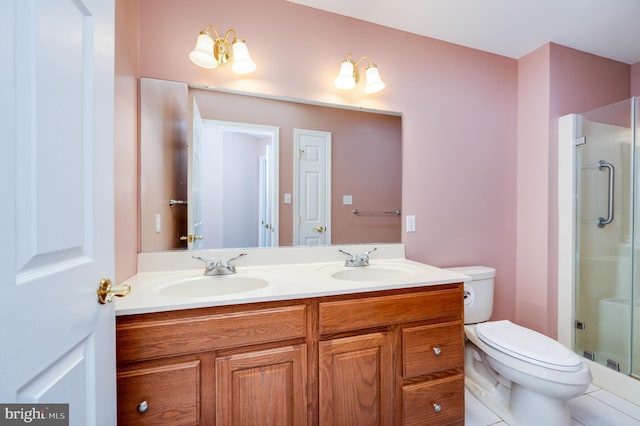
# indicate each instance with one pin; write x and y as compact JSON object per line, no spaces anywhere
{"x":212,"y":50}
{"x":348,"y":76}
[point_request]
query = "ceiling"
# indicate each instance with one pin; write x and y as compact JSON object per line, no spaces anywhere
{"x":512,"y":28}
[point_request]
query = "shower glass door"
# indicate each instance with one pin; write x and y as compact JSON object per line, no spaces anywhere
{"x":634,"y":295}
{"x":605,"y":236}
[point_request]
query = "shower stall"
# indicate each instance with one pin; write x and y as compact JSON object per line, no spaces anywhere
{"x":603,"y":238}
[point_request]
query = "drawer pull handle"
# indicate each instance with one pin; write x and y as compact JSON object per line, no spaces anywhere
{"x":437,"y":407}
{"x":437,"y":350}
{"x":143,"y":407}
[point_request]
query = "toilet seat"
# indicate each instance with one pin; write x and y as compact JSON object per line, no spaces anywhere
{"x":528,"y":345}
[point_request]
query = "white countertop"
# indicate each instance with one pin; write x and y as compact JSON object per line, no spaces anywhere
{"x":287,"y":274}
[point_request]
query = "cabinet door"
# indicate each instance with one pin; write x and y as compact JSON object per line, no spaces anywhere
{"x":267,"y":387}
{"x":356,"y":380}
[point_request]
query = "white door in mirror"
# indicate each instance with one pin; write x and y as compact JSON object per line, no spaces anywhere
{"x":312,"y":187}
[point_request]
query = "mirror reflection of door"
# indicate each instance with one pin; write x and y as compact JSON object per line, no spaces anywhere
{"x":239,"y":185}
{"x":194,"y":204}
{"x":312,"y":187}
{"x":266,"y":198}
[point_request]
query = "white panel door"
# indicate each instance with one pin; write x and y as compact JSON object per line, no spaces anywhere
{"x":194,"y":204}
{"x":268,"y":198}
{"x":312,"y":187}
{"x":56,"y":186}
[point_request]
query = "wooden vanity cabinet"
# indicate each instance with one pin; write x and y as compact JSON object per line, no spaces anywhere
{"x":393,"y":358}
{"x":378,"y":358}
{"x":214,"y":366}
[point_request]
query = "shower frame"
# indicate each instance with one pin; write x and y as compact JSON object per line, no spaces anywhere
{"x":569,"y":134}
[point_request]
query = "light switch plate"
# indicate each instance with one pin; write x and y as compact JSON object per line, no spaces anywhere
{"x":347,"y":200}
{"x":411,"y":223}
{"x":287,"y":198}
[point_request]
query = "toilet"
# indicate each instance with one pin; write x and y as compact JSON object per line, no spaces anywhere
{"x":523,"y":376}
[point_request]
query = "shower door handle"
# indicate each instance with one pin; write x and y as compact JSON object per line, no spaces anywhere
{"x":605,"y":221}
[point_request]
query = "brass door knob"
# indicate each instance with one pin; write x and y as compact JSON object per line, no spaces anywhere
{"x":319,"y":229}
{"x":106,"y":291}
{"x":191,"y":238}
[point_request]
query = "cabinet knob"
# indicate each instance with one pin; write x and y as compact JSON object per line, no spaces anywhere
{"x":437,"y":407}
{"x":143,"y":407}
{"x":437,"y":350}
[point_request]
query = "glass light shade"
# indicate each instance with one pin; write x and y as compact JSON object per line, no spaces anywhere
{"x":374,"y":83}
{"x":242,"y":63}
{"x":345,"y":80}
{"x":202,"y":55}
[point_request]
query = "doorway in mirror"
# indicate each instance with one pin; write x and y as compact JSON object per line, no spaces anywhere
{"x":239,"y":192}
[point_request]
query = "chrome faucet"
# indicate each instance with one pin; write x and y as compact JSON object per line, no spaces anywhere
{"x":358,"y":259}
{"x":218,"y":267}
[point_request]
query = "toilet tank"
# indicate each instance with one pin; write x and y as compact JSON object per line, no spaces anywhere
{"x":478,"y":293}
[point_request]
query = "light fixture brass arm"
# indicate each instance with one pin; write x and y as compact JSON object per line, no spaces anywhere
{"x":206,"y":31}
{"x":369,"y":61}
{"x":230,"y":31}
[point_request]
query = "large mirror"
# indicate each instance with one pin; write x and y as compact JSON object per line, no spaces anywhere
{"x":221,"y":169}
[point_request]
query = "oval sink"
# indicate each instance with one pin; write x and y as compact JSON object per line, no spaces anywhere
{"x":374,"y":274}
{"x":204,"y":286}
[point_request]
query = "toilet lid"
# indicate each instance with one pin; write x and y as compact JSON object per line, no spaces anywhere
{"x":528,"y":345}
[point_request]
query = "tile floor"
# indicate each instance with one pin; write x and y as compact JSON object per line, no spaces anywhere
{"x":597,"y":407}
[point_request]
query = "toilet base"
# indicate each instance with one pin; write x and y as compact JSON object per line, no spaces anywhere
{"x":493,"y":399}
{"x":521,"y":407}
{"x":537,"y":409}
{"x":515,"y":404}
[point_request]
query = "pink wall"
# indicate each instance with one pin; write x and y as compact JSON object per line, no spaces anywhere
{"x":553,"y":81}
{"x":635,"y":79}
{"x":458,"y":104}
{"x":533,"y":204}
{"x":126,"y":139}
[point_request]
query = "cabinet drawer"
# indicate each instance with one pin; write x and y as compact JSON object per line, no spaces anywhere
{"x":150,"y":338}
{"x":434,"y":402}
{"x":170,"y":393}
{"x":430,"y":348}
{"x":378,"y":311}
